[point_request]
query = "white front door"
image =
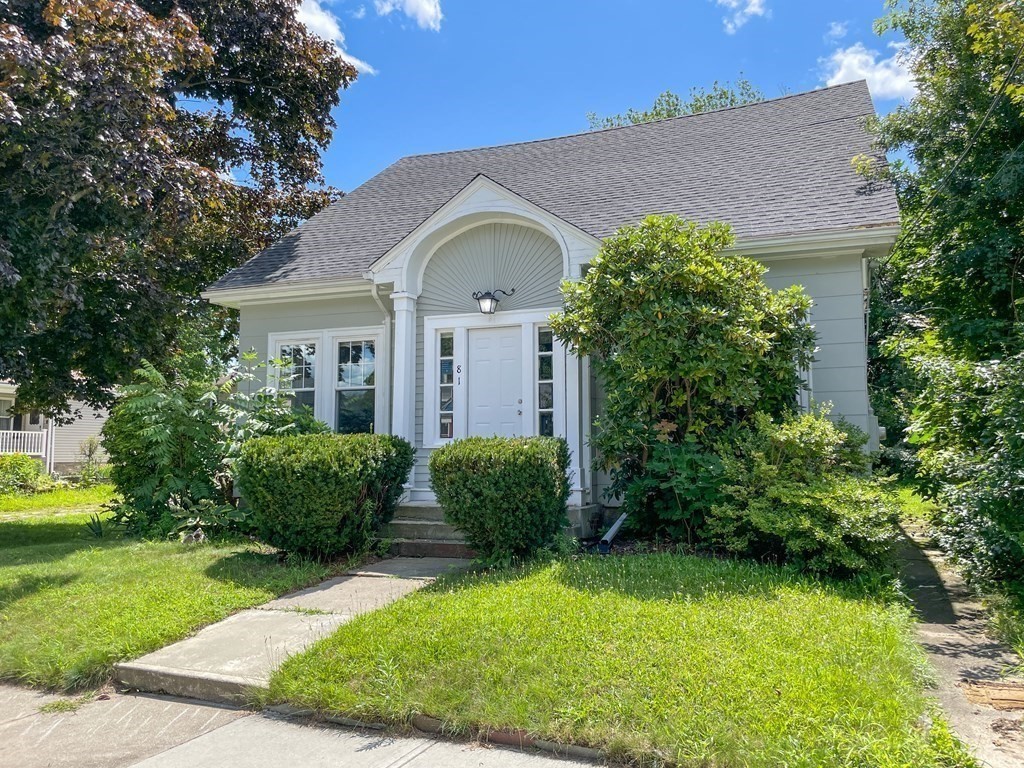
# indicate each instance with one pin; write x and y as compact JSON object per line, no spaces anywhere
{"x":495,"y":381}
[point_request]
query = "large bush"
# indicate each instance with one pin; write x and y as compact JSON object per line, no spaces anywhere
{"x":508,"y":495}
{"x":172,"y":440}
{"x":322,"y":495}
{"x":19,"y":473}
{"x":796,"y":491}
{"x":687,"y":342}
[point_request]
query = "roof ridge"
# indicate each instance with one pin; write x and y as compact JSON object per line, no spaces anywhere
{"x":633,"y":125}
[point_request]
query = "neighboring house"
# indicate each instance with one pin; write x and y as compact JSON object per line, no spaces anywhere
{"x":373,"y":301}
{"x":58,"y":446}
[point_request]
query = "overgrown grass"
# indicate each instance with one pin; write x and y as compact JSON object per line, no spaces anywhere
{"x":72,"y":605}
{"x":915,"y":508}
{"x":57,"y":501}
{"x":664,"y":658}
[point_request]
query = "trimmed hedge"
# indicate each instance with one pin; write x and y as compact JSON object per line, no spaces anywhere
{"x":506,"y":494}
{"x":322,"y":495}
{"x":19,"y":473}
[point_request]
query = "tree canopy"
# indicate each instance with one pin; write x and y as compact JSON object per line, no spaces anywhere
{"x":951,"y":294}
{"x":669,"y":104}
{"x":145,"y":148}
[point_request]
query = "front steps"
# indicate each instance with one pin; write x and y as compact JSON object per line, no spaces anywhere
{"x":419,"y":530}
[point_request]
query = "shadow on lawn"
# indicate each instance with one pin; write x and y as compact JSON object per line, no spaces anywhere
{"x":265,"y":570}
{"x":26,"y":586}
{"x":28,"y":541}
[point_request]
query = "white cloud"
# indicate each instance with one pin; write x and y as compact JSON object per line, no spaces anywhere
{"x":888,"y":78}
{"x":322,"y":23}
{"x":742,"y":12}
{"x":427,"y":13}
{"x":837,"y":30}
{"x":359,"y":13}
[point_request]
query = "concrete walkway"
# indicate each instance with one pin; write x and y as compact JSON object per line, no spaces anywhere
{"x":226,"y":661}
{"x":953,"y":633}
{"x":158,"y":732}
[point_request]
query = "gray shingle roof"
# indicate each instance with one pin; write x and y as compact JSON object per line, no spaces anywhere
{"x":779,"y":167}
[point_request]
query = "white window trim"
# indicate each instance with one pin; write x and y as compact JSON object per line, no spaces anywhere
{"x":459,"y":325}
{"x":327,"y":368}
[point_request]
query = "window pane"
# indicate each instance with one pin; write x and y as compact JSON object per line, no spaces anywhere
{"x":302,"y":400}
{"x":545,"y":340}
{"x":447,"y":398}
{"x":547,"y":425}
{"x":447,"y":345}
{"x":447,"y":426}
{"x":447,"y":371}
{"x":368,"y":374}
{"x":547,"y":368}
{"x":354,"y":408}
{"x":369,"y":352}
{"x":343,"y":353}
{"x":545,"y":396}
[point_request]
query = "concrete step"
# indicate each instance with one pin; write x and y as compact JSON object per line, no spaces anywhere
{"x":420,"y":511}
{"x":404,"y":528}
{"x":431,"y":548}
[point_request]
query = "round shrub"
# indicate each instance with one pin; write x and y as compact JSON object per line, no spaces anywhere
{"x":322,"y":495}
{"x":506,"y":494}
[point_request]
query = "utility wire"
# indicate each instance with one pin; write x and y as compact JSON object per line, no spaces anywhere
{"x":919,"y":219}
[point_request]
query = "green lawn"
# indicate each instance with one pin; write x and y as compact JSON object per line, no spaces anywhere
{"x":72,"y":605}
{"x":57,"y":501}
{"x":656,"y":658}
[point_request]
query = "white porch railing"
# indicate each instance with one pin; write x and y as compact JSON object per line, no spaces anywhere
{"x":32,"y":443}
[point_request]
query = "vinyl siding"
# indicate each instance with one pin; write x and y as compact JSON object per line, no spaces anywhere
{"x":68,"y":438}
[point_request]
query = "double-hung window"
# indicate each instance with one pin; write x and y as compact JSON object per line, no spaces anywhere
{"x":355,"y":386}
{"x":335,"y":373}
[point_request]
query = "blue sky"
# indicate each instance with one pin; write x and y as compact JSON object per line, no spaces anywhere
{"x":450,"y":74}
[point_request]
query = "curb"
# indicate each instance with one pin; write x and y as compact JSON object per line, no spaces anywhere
{"x":434,"y":727}
{"x":187,"y":684}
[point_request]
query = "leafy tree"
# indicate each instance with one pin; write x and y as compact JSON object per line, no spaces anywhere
{"x":687,"y":343}
{"x":669,"y":104}
{"x":952,"y":290}
{"x":122,"y":125}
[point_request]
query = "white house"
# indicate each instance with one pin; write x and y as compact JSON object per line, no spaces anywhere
{"x":57,"y":446}
{"x":375,"y":299}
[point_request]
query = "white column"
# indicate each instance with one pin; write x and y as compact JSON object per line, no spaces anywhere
{"x":403,"y":404}
{"x":572,"y":425}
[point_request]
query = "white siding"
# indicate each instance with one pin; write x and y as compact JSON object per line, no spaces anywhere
{"x":839,"y":372}
{"x":68,"y":438}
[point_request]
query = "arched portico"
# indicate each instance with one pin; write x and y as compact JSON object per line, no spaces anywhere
{"x":459,"y":372}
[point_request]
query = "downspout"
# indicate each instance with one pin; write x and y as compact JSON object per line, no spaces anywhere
{"x":389,"y":322}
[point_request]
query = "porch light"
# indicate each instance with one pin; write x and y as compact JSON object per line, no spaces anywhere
{"x":488,"y":300}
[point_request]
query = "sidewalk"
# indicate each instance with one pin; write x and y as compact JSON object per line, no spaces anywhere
{"x":225,"y":661}
{"x":953,"y":634}
{"x":159,"y":732}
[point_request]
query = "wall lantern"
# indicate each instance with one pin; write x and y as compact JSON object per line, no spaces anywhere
{"x":488,"y":300}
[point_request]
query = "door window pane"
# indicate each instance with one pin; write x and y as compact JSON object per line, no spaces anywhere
{"x":446,"y":389}
{"x":545,"y":383}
